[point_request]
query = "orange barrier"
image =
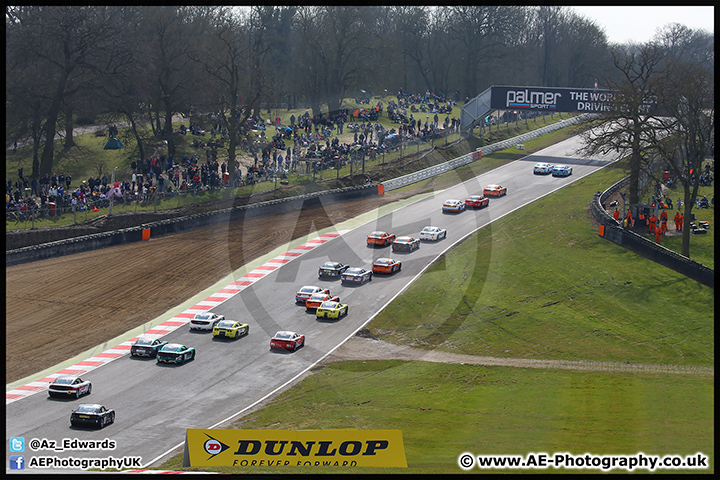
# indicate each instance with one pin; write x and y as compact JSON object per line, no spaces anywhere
{"x":146,"y":234}
{"x":381,"y":189}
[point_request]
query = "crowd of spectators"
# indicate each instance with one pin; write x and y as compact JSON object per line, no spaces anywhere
{"x":315,"y":146}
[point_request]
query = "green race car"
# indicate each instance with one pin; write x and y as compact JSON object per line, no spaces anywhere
{"x":230,"y":329}
{"x":331,"y":309}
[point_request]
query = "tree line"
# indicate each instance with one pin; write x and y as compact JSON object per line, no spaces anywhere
{"x":145,"y":64}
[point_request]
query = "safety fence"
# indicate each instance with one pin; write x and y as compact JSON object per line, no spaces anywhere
{"x":612,"y":230}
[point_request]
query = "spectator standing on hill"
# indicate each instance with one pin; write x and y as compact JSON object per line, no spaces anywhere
{"x":68,"y":179}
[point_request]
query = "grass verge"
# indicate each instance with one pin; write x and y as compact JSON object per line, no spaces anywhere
{"x":444,"y":410}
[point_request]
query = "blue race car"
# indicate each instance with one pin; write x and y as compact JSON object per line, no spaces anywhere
{"x":561,"y":171}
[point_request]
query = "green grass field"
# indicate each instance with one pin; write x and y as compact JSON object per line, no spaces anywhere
{"x":536,"y":284}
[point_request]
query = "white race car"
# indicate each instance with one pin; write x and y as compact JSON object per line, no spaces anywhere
{"x":308,"y":291}
{"x":67,"y":386}
{"x":542,"y":168}
{"x":432,"y":233}
{"x":205,"y":321}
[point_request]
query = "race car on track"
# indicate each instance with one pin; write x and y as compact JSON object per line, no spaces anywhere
{"x":231,"y":329}
{"x":69,"y":386}
{"x":314,"y":302}
{"x":561,"y":171}
{"x":332,"y":269}
{"x":477,"y":201}
{"x":175,"y":353}
{"x":386,"y":265}
{"x":308,"y":291}
{"x":287,"y":340}
{"x":495,"y":191}
{"x":405,"y":244}
{"x":432,"y":233}
{"x":356,"y":275}
{"x":205,"y":321}
{"x":331,"y":309}
{"x":146,"y":347}
{"x":93,"y":415}
{"x":542,"y":168}
{"x":453,"y":206}
{"x":380,"y":238}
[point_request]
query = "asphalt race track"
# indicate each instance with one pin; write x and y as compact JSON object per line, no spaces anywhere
{"x":155,"y":403}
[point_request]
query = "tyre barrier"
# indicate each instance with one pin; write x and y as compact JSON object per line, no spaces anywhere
{"x":178,"y":224}
{"x":611,"y":229}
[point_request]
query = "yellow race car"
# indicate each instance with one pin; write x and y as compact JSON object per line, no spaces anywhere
{"x":331,"y":309}
{"x":230,"y":329}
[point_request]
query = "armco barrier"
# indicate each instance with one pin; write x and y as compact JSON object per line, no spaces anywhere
{"x":429,"y":172}
{"x":626,"y":238}
{"x":176,"y":225}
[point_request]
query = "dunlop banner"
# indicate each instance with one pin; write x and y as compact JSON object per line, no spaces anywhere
{"x":296,"y":448}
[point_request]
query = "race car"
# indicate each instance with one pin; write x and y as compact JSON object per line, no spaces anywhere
{"x":561,"y":171}
{"x":230,"y":329}
{"x":205,"y":321}
{"x":287,"y":340}
{"x":453,"y":206}
{"x":67,"y":386}
{"x":331,"y":309}
{"x":332,"y":269}
{"x":315,"y":301}
{"x":175,"y":353}
{"x":92,"y":414}
{"x":405,"y":244}
{"x":356,"y":275}
{"x":542,"y":168}
{"x":308,"y":291}
{"x":386,"y":265}
{"x":432,"y":233}
{"x":495,"y":191}
{"x":380,"y":238}
{"x":146,"y":347}
{"x":477,"y":201}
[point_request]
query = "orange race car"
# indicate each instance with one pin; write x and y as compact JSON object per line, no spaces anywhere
{"x":380,"y":238}
{"x":317,"y":299}
{"x":386,"y":265}
{"x":495,"y":191}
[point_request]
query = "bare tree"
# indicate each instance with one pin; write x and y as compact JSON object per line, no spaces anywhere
{"x":627,"y":127}
{"x":74,"y":47}
{"x":686,"y":91}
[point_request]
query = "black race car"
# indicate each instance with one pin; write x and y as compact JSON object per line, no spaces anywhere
{"x":146,"y":347}
{"x":92,"y":414}
{"x":332,"y":269}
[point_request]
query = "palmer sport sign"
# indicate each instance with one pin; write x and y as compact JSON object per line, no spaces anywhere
{"x":584,"y":100}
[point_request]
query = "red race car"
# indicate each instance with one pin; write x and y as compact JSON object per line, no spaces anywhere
{"x":386,"y":265}
{"x":477,"y":201}
{"x":495,"y":191}
{"x":287,"y":340}
{"x":316,"y":300}
{"x":380,"y":238}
